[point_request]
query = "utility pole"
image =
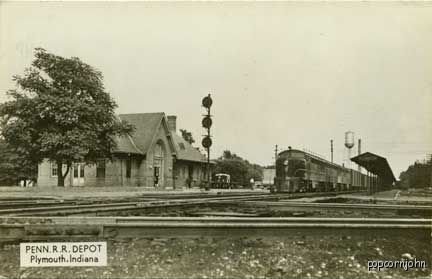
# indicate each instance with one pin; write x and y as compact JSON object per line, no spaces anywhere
{"x":359,"y":152}
{"x":272,"y":189}
{"x":331,"y":150}
{"x":430,"y":166}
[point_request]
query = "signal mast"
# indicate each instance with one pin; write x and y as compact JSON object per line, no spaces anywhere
{"x":206,"y":141}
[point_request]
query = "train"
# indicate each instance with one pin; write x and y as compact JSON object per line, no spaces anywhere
{"x":301,"y":171}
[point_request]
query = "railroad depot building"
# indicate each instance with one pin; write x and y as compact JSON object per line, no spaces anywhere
{"x":153,"y":156}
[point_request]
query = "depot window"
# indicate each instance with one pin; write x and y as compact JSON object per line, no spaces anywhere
{"x":53,"y":169}
{"x":100,"y":169}
{"x":82,"y":170}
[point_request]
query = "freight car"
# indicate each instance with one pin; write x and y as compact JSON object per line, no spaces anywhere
{"x":300,"y":171}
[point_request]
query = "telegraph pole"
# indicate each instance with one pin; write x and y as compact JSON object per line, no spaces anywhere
{"x":207,"y":142}
{"x":272,"y":188}
{"x":359,"y":152}
{"x":331,"y":150}
{"x":430,"y":164}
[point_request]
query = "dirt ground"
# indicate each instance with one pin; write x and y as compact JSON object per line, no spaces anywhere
{"x":395,"y":196}
{"x":420,"y":192}
{"x":296,"y":256}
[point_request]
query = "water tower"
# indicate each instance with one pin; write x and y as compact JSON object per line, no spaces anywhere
{"x":349,"y":144}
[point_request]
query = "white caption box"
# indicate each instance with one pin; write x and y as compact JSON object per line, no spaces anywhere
{"x":39,"y":254}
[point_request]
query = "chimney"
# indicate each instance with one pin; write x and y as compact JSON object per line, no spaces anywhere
{"x":359,"y":146}
{"x":172,"y":123}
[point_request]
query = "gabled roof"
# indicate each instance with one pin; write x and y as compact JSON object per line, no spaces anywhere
{"x":146,"y":128}
{"x":375,"y":164}
{"x":125,"y":144}
{"x":186,"y":151}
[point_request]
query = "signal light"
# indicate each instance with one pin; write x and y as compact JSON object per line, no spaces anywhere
{"x":206,"y":142}
{"x":207,"y":122}
{"x":207,"y":101}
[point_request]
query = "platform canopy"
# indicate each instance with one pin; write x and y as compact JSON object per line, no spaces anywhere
{"x":377,"y":165}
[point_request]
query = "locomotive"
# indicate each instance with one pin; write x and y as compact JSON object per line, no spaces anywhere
{"x":300,"y":171}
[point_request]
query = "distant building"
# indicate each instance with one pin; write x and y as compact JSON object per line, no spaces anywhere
{"x":269,"y":173}
{"x":153,"y":156}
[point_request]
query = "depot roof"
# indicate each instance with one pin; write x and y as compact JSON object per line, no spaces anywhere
{"x":375,"y":164}
{"x":185,"y":151}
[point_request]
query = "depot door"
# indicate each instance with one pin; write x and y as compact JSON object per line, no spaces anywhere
{"x":78,"y":175}
{"x":156,"y":176}
{"x":158,"y":165}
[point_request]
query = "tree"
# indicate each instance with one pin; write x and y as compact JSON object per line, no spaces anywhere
{"x":418,"y":175}
{"x":6,"y":168}
{"x":60,"y":111}
{"x":240,"y":170}
{"x":237,"y":169}
{"x":228,"y":155}
{"x":14,"y":168}
{"x":187,"y":136}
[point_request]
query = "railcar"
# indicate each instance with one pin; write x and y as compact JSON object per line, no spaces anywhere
{"x":300,"y":171}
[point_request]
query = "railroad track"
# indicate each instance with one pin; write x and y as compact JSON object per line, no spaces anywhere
{"x":139,"y":227}
{"x":116,"y":206}
{"x":21,"y":202}
{"x":290,"y":205}
{"x":35,"y":203}
{"x":137,"y":205}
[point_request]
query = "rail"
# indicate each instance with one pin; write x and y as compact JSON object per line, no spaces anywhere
{"x":138,"y":227}
{"x":291,"y":204}
{"x":137,"y":205}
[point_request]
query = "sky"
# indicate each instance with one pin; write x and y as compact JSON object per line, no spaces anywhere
{"x":286,"y":73}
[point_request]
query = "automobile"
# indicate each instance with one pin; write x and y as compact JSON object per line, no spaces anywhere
{"x":258,"y":184}
{"x":222,"y":181}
